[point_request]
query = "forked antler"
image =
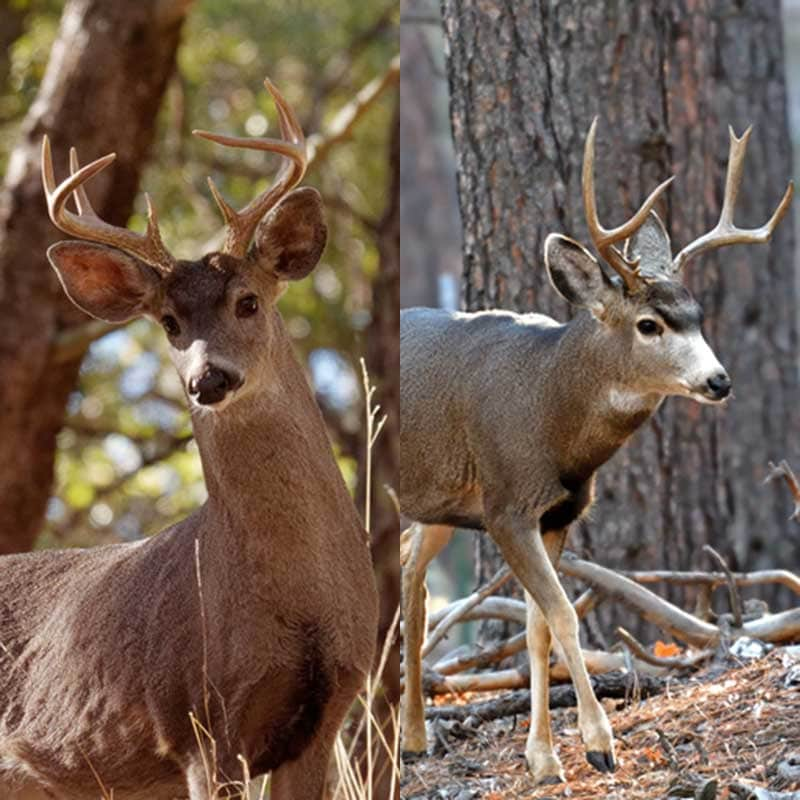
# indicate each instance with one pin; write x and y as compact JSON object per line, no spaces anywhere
{"x":604,"y":239}
{"x":86,"y":224}
{"x":726,"y":232}
{"x":242,"y":224}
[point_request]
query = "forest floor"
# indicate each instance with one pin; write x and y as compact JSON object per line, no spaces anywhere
{"x":718,"y":734}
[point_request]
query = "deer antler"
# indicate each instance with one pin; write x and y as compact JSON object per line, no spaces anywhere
{"x":604,"y":239}
{"x":242,"y":224}
{"x":725,"y":231}
{"x":86,"y":224}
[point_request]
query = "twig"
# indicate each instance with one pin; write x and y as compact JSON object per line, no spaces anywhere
{"x":714,"y":579}
{"x":318,"y":144}
{"x":671,"y":662}
{"x":784,"y":470}
{"x":457,"y":614}
{"x":733,"y":591}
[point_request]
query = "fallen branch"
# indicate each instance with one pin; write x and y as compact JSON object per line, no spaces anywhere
{"x":480,"y":657}
{"x":614,"y":685}
{"x":508,"y":609}
{"x":598,"y":662}
{"x":782,"y":627}
{"x":433,"y":683}
{"x":661,"y":613}
{"x":714,"y":579}
{"x":463,"y":607}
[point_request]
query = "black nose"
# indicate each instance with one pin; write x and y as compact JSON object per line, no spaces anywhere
{"x":719,"y":385}
{"x":211,"y":386}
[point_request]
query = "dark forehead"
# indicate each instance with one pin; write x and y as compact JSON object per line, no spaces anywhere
{"x":203,"y":282}
{"x":675,"y":304}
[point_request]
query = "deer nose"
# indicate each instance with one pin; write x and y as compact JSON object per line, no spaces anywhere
{"x":211,"y":386}
{"x":719,"y":385}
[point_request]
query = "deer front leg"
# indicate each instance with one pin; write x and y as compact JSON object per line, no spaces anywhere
{"x":305,"y":777}
{"x":419,"y":544}
{"x":543,"y":762}
{"x":524,"y":550}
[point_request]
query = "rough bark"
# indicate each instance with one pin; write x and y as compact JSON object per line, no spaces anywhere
{"x":101,"y":93}
{"x":383,"y":364}
{"x":666,"y":79}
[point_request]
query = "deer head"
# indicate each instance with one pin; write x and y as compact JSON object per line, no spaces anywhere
{"x":647,"y":316}
{"x":218,"y":312}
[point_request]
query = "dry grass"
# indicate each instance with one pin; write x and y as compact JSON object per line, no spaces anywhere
{"x":733,"y":727}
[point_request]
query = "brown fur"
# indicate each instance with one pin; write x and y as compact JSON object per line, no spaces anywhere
{"x":105,"y":652}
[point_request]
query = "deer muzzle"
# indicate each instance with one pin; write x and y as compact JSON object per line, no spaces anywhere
{"x":212,"y":386}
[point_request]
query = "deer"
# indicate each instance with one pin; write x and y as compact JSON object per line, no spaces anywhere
{"x":506,"y":417}
{"x":245,"y":631}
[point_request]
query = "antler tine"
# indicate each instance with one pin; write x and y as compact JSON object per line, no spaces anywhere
{"x":242,"y":224}
{"x":725,"y":232}
{"x":604,"y":239}
{"x":86,"y":224}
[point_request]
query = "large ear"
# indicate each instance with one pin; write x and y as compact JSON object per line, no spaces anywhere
{"x":290,"y":239}
{"x":576,"y":275}
{"x":103,"y":281}
{"x":652,"y":246}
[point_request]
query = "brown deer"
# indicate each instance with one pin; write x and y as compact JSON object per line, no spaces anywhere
{"x":257,"y":614}
{"x":506,"y":417}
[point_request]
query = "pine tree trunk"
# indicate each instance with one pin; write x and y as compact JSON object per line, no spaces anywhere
{"x":383,"y":365}
{"x":101,"y":93}
{"x":666,"y":79}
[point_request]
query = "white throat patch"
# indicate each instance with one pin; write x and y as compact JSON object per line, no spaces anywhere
{"x":625,"y":402}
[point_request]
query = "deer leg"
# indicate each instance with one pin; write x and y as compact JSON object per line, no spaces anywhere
{"x":419,"y":544}
{"x":305,"y":777}
{"x":543,"y":763}
{"x":526,"y":554}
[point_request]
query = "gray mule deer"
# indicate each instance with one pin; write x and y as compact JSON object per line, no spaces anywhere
{"x":258,"y":612}
{"x":506,"y":417}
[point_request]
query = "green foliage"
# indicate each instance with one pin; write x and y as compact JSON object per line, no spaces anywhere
{"x":124,"y":464}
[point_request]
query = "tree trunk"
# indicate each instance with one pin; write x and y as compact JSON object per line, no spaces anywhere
{"x":666,"y":79}
{"x":383,"y":365}
{"x":101,"y":93}
{"x":431,"y":245}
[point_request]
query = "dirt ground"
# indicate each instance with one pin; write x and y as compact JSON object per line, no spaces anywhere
{"x":740,"y":728}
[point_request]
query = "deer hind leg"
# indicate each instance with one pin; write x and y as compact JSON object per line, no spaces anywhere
{"x":419,"y":544}
{"x":543,"y":763}
{"x":526,"y":554}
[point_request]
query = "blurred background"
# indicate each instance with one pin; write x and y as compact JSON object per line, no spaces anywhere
{"x":666,"y":82}
{"x":95,"y":438}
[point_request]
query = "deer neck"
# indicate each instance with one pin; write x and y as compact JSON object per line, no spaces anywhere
{"x":604,"y":408}
{"x":259,"y":453}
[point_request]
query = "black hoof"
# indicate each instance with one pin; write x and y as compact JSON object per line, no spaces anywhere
{"x":412,"y":756}
{"x":551,"y":780}
{"x":602,"y":762}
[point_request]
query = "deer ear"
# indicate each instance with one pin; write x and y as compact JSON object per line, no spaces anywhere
{"x":290,"y":239}
{"x":103,"y":281}
{"x":575,"y":274}
{"x":652,"y":246}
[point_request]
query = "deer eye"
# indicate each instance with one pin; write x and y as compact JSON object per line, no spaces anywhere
{"x":648,"y":327}
{"x":170,"y":325}
{"x":247,"y":306}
